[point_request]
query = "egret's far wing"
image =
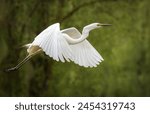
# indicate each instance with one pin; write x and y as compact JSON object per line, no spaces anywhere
{"x":72,"y":32}
{"x":53,"y":43}
{"x":85,"y":54}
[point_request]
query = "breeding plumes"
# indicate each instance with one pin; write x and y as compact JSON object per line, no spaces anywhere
{"x":65,"y":45}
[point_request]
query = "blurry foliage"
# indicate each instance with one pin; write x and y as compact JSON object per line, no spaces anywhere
{"x":124,"y":46}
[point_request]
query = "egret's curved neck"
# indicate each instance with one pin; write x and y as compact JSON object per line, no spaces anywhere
{"x":85,"y":34}
{"x":86,"y":30}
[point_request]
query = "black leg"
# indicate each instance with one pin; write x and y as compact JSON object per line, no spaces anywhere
{"x":24,"y":61}
{"x":19,"y":65}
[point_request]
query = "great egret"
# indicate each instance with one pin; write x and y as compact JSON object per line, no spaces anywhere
{"x":68,"y":44}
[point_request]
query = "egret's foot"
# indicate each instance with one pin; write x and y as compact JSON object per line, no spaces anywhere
{"x":10,"y":69}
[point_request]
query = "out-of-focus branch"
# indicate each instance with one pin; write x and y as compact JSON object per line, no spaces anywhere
{"x":30,"y":16}
{"x":77,"y":8}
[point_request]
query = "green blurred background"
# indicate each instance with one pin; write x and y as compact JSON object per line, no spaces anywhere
{"x":125,"y":46}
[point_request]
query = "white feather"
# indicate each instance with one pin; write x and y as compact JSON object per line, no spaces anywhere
{"x":53,"y":43}
{"x":85,"y":54}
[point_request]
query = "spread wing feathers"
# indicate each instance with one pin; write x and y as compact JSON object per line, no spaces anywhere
{"x":85,"y":54}
{"x":72,"y":32}
{"x":53,"y":43}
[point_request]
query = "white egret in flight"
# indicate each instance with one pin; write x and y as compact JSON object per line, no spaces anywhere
{"x":65,"y":45}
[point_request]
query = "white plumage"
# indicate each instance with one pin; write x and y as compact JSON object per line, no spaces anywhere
{"x":84,"y":53}
{"x":58,"y":45}
{"x":53,"y":43}
{"x":65,"y":45}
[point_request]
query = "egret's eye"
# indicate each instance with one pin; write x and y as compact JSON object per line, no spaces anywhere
{"x":98,"y":24}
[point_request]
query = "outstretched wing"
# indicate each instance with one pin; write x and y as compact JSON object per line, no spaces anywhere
{"x":53,"y":43}
{"x":84,"y":53}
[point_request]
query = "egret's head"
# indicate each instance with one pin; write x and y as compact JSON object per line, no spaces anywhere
{"x":95,"y":25}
